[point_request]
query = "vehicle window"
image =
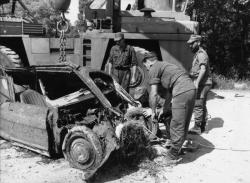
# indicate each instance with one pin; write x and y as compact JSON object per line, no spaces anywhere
{"x":58,"y":84}
{"x":129,"y":5}
{"x":180,"y":5}
{"x":23,"y":78}
{"x":159,"y":5}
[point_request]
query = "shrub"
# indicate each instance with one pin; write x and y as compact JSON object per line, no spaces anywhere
{"x":221,"y":82}
{"x":224,"y":25}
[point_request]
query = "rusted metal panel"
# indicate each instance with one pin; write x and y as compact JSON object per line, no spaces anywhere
{"x":54,"y":43}
{"x":176,"y":52}
{"x":25,"y":124}
{"x":157,"y":25}
{"x":167,"y":14}
{"x":45,"y":51}
{"x":78,"y":51}
{"x":98,"y":50}
{"x":40,"y":45}
{"x":27,"y":47}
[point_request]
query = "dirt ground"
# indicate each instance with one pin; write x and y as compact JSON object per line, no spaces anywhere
{"x":223,"y":154}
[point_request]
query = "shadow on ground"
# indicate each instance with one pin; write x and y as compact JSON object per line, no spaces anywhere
{"x":212,"y":95}
{"x":214,"y":123}
{"x":113,"y":169}
{"x":204,"y":146}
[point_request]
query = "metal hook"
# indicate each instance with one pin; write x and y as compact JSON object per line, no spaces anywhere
{"x":63,"y":25}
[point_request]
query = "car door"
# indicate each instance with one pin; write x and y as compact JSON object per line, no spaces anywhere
{"x":27,"y":124}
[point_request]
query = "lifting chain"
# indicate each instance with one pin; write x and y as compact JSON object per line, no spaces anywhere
{"x":62,"y":27}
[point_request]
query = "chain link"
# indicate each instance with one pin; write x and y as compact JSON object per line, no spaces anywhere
{"x":62,"y":27}
{"x":62,"y":55}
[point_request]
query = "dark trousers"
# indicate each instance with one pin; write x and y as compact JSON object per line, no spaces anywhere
{"x":200,"y":108}
{"x":167,"y":114}
{"x":122,"y":77}
{"x":182,"y":109}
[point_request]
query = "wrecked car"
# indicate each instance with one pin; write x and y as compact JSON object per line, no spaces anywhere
{"x":65,"y":110}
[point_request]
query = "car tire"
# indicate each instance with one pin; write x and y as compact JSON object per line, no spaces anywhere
{"x":84,"y":139}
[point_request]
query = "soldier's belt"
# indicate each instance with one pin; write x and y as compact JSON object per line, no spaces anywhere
{"x":192,"y":76}
{"x":119,"y":67}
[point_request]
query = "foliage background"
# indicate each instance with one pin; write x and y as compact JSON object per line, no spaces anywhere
{"x":225,"y":25}
{"x":43,"y":13}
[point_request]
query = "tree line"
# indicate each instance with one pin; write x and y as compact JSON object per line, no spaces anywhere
{"x":224,"y":25}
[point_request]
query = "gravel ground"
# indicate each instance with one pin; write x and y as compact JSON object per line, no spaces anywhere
{"x":223,"y":154}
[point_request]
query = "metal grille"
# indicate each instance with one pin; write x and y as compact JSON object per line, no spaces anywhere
{"x":32,"y":28}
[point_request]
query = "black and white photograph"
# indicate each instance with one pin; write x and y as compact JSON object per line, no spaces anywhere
{"x":124,"y":91}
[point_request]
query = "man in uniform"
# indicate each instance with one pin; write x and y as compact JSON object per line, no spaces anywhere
{"x":121,"y":59}
{"x":177,"y":83}
{"x":200,"y":73}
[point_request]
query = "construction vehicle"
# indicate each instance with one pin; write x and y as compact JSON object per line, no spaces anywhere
{"x":160,"y":26}
{"x":23,"y":41}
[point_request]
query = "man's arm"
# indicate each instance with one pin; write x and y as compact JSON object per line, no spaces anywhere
{"x":200,"y":76}
{"x":133,"y":73}
{"x":110,"y":61}
{"x":153,"y":98}
{"x":203,"y":61}
{"x":154,"y":81}
{"x":109,"y":68}
{"x":134,"y":64}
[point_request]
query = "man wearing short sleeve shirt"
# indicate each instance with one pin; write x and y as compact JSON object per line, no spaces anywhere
{"x":122,"y":62}
{"x":201,"y":75}
{"x":177,"y":83}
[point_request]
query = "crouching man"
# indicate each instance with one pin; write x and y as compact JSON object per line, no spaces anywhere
{"x":177,"y":83}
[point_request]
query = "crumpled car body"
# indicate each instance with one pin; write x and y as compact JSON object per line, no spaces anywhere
{"x":63,"y":109}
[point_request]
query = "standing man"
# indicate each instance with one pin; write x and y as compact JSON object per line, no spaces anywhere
{"x":122,"y":62}
{"x":177,"y":83}
{"x":201,"y":75}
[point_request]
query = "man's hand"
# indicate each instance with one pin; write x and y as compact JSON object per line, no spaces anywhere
{"x":196,"y":84}
{"x":153,"y":116}
{"x":159,"y":113}
{"x":133,"y":80}
{"x":130,"y":107}
{"x":200,"y":77}
{"x":147,"y":112}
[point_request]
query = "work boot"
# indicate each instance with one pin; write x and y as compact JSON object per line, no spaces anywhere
{"x":167,"y":144}
{"x":203,"y":129}
{"x":171,"y":157}
{"x":189,"y":145}
{"x":196,"y":130}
